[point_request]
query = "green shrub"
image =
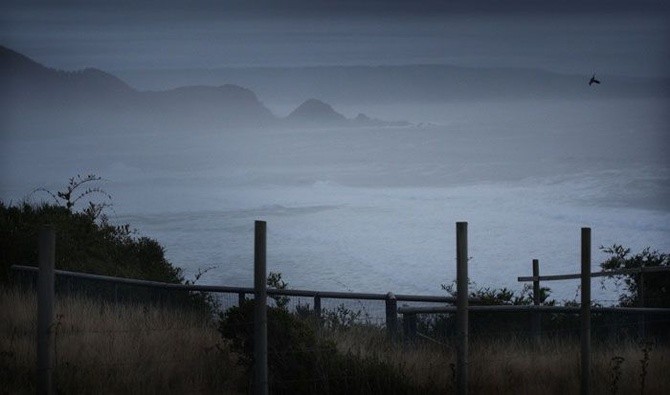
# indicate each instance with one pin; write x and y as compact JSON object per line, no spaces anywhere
{"x":652,"y":290}
{"x":87,"y":242}
{"x":656,"y":286}
{"x":82,"y":244}
{"x":275,"y":281}
{"x":341,"y":317}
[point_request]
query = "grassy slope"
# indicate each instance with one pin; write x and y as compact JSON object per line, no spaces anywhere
{"x":105,"y":348}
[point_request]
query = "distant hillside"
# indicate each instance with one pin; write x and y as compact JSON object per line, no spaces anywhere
{"x":21,"y":78}
{"x":314,"y":112}
{"x":35,"y":97}
{"x":38,"y":97}
{"x":228,"y":103}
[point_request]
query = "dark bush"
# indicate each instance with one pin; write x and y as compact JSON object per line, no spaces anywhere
{"x":293,"y":347}
{"x":89,"y":244}
{"x":82,"y":244}
{"x":648,"y":290}
{"x":301,"y":362}
{"x":655,"y":287}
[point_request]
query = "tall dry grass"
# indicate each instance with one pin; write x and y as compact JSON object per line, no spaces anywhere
{"x":105,"y":348}
{"x":516,"y":367}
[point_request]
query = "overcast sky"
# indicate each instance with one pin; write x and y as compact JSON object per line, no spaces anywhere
{"x":611,"y":37}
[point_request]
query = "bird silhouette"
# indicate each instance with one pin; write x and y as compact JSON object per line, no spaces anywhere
{"x":593,"y":80}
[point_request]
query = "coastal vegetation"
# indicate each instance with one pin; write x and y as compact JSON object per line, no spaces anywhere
{"x":102,"y":347}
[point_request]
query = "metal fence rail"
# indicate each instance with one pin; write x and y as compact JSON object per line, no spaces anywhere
{"x":390,"y":298}
{"x":244,"y":290}
{"x":531,"y":308}
{"x":606,"y":273}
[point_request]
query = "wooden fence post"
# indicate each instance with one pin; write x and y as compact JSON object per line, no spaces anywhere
{"x":462,"y":307}
{"x":536,"y":317}
{"x":391,"y":316}
{"x":45,"y":303}
{"x":641,"y":325}
{"x":317,"y":306}
{"x":241,"y":298}
{"x":260,"y":311}
{"x":585,"y":335}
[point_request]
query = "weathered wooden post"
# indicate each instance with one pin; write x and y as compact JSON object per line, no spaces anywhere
{"x":585,"y":335}
{"x":241,"y":298}
{"x":391,"y":316}
{"x":260,"y":311}
{"x":462,"y":307}
{"x":641,"y":326}
{"x":45,"y":303}
{"x":536,"y":317}
{"x":317,"y":306}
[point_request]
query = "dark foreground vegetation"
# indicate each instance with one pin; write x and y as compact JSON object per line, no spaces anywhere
{"x":86,"y":241}
{"x":102,"y":347}
{"x":303,"y":357}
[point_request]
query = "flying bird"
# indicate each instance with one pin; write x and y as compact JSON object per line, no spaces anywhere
{"x":593,"y":80}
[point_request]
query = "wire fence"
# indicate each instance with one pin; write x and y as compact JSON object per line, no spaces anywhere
{"x":435,"y":331}
{"x":325,"y":372}
{"x":349,"y":311}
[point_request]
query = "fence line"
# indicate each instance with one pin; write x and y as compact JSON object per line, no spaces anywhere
{"x":536,"y":278}
{"x":46,"y":295}
{"x":584,"y":310}
{"x":259,"y":291}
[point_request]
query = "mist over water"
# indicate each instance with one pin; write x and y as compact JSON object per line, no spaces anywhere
{"x":373,"y":209}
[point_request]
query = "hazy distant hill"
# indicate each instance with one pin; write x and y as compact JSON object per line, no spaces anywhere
{"x":403,"y":84}
{"x":316,"y":111}
{"x":24,"y":79}
{"x":39,"y":98}
{"x":228,"y":103}
{"x":35,"y":96}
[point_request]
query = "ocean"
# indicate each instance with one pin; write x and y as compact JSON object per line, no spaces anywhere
{"x":374,"y":209}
